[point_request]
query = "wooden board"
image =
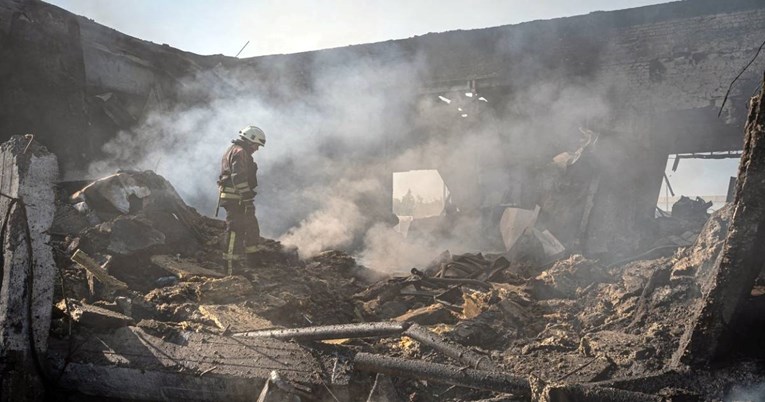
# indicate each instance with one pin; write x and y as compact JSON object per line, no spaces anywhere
{"x":183,"y":268}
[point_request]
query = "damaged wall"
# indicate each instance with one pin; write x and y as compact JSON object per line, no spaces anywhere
{"x":684,"y":52}
{"x":665,"y":58}
{"x":75,"y":83}
{"x":42,"y":77}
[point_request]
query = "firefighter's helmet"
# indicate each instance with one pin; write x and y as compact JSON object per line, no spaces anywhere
{"x":253,"y":135}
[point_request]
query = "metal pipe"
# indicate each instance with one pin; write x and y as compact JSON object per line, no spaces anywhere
{"x":450,"y":349}
{"x":442,"y":373}
{"x":669,"y":186}
{"x":362,"y":330}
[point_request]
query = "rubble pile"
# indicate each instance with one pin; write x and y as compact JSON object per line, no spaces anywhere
{"x":683,"y":224}
{"x":134,"y":257}
{"x":163,"y":260}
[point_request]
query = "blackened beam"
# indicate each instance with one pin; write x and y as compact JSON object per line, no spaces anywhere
{"x":442,"y":373}
{"x":450,"y":349}
{"x":468,"y":84}
{"x":362,"y":330}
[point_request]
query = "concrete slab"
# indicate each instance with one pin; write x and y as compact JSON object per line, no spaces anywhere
{"x":514,"y":223}
{"x":28,"y":173}
{"x":132,"y":364}
{"x":234,"y":318}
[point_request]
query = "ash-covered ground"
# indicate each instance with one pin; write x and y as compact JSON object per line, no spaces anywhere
{"x":574,"y":320}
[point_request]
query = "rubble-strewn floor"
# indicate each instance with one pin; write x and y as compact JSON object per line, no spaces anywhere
{"x":573,"y":321}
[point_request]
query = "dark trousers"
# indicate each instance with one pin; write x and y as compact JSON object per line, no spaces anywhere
{"x":242,"y":234}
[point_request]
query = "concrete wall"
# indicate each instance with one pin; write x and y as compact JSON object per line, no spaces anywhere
{"x":53,"y":65}
{"x":42,"y":76}
{"x":664,"y":59}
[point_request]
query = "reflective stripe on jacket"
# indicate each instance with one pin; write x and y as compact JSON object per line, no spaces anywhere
{"x":238,"y":177}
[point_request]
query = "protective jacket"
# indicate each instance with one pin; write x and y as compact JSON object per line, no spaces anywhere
{"x":237,"y":184}
{"x":238,"y":177}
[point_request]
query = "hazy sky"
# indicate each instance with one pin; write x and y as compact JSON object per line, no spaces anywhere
{"x":288,"y":26}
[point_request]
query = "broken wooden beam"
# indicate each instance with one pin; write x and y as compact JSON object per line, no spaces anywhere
{"x":129,"y":363}
{"x":450,"y":349}
{"x":442,"y":373}
{"x":183,"y":268}
{"x":362,"y":330}
{"x":97,"y":317}
{"x":84,"y":260}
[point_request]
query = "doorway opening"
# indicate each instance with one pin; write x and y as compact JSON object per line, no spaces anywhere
{"x":418,"y":194}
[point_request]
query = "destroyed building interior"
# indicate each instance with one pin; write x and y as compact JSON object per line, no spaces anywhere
{"x":547,"y":273}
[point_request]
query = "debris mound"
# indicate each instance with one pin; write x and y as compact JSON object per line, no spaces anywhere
{"x":138,"y":258}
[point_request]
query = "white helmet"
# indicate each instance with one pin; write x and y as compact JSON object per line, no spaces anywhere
{"x":253,"y":135}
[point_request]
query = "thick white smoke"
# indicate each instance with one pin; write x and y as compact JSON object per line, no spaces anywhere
{"x":334,"y":139}
{"x":337,"y":221}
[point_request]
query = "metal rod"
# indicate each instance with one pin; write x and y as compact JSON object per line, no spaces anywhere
{"x":450,"y":349}
{"x":711,"y":155}
{"x":669,"y":186}
{"x":240,"y":50}
{"x":362,"y":330}
{"x":442,"y":373}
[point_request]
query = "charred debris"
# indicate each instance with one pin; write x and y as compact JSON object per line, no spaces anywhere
{"x":116,"y":288}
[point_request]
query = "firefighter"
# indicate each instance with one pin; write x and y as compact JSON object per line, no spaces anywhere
{"x":237,"y":184}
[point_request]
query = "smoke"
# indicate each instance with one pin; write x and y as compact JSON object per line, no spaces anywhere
{"x":388,"y":251}
{"x":320,"y":170}
{"x":337,"y":221}
{"x":337,"y":128}
{"x":754,"y":392}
